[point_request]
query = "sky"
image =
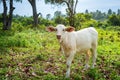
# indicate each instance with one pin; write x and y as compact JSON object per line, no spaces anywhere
{"x":25,"y":8}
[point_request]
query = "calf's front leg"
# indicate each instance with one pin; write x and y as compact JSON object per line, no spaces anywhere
{"x":68,"y":63}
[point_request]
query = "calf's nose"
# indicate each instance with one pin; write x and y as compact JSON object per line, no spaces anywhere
{"x":58,"y":36}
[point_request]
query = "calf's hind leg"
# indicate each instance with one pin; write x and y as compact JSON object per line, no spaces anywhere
{"x":87,"y":59}
{"x":94,"y":55}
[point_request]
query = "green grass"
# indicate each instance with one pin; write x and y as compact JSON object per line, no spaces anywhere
{"x":32,"y":54}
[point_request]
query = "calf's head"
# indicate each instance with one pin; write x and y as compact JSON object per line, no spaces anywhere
{"x":60,"y":30}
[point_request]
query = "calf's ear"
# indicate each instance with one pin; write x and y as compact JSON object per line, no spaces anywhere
{"x":50,"y":29}
{"x":70,"y":29}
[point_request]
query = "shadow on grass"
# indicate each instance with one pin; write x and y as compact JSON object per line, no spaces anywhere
{"x":6,"y":33}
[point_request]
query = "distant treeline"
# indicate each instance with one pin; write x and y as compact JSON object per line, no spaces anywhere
{"x":97,"y":19}
{"x":98,"y":15}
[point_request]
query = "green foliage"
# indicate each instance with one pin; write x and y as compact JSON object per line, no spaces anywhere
{"x":23,"y":20}
{"x":83,"y":20}
{"x":114,"y":20}
{"x":45,"y":22}
{"x":103,"y":25}
{"x":18,"y":40}
{"x":61,"y":20}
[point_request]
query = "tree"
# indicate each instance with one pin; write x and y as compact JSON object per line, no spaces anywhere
{"x":98,"y":15}
{"x":48,"y":16}
{"x":109,"y":12}
{"x":57,"y":13}
{"x":71,"y":10}
{"x":86,"y":11}
{"x":118,"y":12}
{"x":1,"y":18}
{"x":35,"y":15}
{"x":7,"y":18}
{"x":4,"y":14}
{"x":59,"y":18}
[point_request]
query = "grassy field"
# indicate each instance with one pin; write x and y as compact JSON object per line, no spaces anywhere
{"x":32,"y":54}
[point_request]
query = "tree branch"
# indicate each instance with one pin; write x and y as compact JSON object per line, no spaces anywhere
{"x":30,"y":1}
{"x":75,"y":6}
{"x":38,"y":14}
{"x":68,"y":4}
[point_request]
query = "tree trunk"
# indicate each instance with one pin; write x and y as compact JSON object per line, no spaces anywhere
{"x":10,"y":14}
{"x":71,"y":4}
{"x":72,"y":19}
{"x":4,"y":15}
{"x":7,"y":20}
{"x":35,"y":15}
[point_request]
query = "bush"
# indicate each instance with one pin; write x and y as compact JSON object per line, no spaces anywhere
{"x":45,"y":22}
{"x":114,"y":20}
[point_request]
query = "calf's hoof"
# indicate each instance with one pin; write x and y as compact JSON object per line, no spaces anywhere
{"x":67,"y":75}
{"x":86,"y":67}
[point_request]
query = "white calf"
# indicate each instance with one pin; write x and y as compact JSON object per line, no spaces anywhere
{"x":76,"y":41}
